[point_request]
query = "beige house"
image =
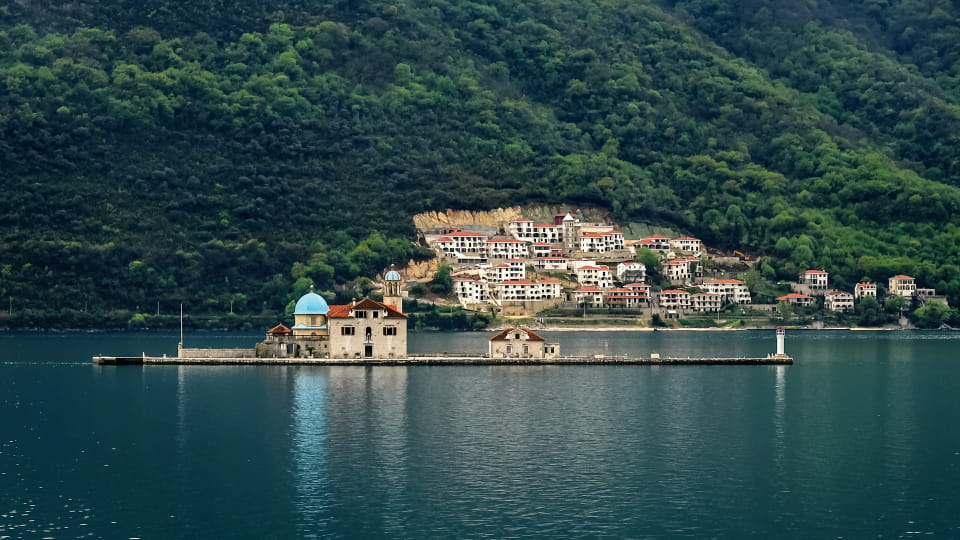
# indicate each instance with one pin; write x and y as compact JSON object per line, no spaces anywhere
{"x":814,"y":280}
{"x":367,"y":329}
{"x":521,"y":343}
{"x":901,"y":285}
{"x":706,"y":302}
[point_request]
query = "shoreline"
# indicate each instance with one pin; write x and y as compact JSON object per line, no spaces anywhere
{"x":708,"y":329}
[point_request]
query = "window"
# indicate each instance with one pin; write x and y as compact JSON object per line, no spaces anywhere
{"x":389,"y":330}
{"x":526,"y":349}
{"x":376,"y":314}
{"x":360,"y":314}
{"x":313,"y":321}
{"x":509,"y":349}
{"x":347,"y":331}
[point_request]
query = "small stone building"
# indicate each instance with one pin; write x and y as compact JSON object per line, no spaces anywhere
{"x":521,"y":343}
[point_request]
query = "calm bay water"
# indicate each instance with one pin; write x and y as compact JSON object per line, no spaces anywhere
{"x":859,"y":439}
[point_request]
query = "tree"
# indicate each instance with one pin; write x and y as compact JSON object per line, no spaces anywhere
{"x":442,"y":282}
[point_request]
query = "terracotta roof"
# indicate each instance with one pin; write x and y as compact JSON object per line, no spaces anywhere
{"x":466,"y":234}
{"x":445,"y":239}
{"x":588,"y":289}
{"x":551,"y":225}
{"x":279,"y":329}
{"x":551,"y":258}
{"x":837,"y":293}
{"x":519,"y":282}
{"x":638,"y":285}
{"x":901,"y":276}
{"x":793,"y":295}
{"x":729,"y":281}
{"x":502,"y":336}
{"x":866,"y":285}
{"x":343,"y":312}
{"x":815,"y":272}
{"x":656,"y":236}
{"x":688,"y":238}
{"x":541,"y":244}
{"x":674,"y":291}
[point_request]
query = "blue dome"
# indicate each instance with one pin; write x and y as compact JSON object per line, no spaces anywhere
{"x":311,"y":304}
{"x":392,"y":275}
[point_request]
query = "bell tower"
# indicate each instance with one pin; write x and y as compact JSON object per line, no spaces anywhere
{"x":392,"y":294}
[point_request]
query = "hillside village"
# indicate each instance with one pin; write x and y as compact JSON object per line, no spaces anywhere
{"x":522,"y":268}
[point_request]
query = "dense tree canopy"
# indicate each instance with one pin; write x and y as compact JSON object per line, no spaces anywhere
{"x":232,"y":154}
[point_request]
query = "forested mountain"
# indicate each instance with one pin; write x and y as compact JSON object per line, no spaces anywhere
{"x":229,"y":153}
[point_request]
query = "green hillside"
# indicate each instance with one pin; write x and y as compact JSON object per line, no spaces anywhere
{"x":231,"y":153}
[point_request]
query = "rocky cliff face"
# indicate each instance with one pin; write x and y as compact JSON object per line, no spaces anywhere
{"x":498,"y":217}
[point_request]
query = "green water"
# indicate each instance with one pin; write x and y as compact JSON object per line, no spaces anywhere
{"x":858,"y":439}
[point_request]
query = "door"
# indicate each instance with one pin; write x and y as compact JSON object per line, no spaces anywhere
{"x":368,"y":351}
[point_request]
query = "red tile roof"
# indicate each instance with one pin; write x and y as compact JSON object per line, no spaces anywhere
{"x":588,"y":289}
{"x":343,"y":312}
{"x":466,"y":234}
{"x":901,"y":276}
{"x":279,"y":330}
{"x":674,"y":291}
{"x":502,"y":336}
{"x":815,"y":272}
{"x":793,"y":295}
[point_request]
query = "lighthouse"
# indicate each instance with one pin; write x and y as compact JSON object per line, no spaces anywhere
{"x":781,"y":335}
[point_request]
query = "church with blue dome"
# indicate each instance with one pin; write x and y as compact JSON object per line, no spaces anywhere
{"x":360,"y":329}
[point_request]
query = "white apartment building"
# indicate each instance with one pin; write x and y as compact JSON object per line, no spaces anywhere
{"x":528,"y":231}
{"x":462,"y":242}
{"x":706,"y":302}
{"x":632,"y":271}
{"x":814,"y":280}
{"x":551,"y":263}
{"x":674,"y":299}
{"x":525,"y":290}
{"x":625,"y":298}
{"x":838,"y":301}
{"x":687,"y":244}
{"x":684,"y":270}
{"x":470,"y":291}
{"x":733,"y":290}
{"x":656,"y":243}
{"x":590,"y":297}
{"x":601,"y":242}
{"x":595,"y":276}
{"x":540,"y":249}
{"x":506,"y":248}
{"x":511,"y":270}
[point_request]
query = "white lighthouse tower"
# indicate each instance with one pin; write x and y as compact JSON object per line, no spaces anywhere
{"x":781,"y":335}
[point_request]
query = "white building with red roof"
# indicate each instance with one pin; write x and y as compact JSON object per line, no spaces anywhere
{"x":470,"y":291}
{"x":687,"y":245}
{"x":814,"y":280}
{"x":632,"y":271}
{"x":511,"y":269}
{"x":461,"y":242}
{"x":595,"y":276}
{"x":683,"y":270}
{"x":601,"y":242}
{"x":522,"y":290}
{"x":506,"y":248}
{"x":676,"y":299}
{"x":706,"y":302}
{"x":733,"y":290}
{"x":861,"y":290}
{"x":591,"y":297}
{"x":626,"y":298}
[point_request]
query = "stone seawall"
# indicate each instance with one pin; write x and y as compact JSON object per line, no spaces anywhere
{"x":218,"y":353}
{"x":439,"y":360}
